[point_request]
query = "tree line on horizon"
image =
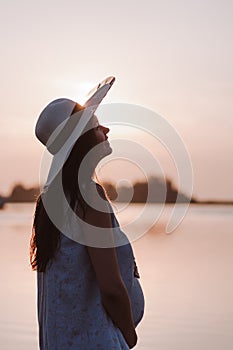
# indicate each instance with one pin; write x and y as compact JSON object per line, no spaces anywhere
{"x":156,"y":190}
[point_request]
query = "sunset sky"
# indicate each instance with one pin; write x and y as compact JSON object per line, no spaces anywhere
{"x":172,"y":57}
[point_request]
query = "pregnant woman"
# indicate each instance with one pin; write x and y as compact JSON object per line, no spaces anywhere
{"x":89,"y":296}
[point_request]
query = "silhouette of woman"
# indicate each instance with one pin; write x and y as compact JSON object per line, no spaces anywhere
{"x":89,"y":296}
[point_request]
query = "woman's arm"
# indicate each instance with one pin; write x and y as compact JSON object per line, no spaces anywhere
{"x":114,"y":294}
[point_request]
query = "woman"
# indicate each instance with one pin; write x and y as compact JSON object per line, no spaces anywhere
{"x":89,"y":296}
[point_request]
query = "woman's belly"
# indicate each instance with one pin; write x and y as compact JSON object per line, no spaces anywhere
{"x":137,"y":301}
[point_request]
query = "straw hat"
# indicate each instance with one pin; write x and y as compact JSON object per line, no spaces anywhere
{"x":58,"y":128}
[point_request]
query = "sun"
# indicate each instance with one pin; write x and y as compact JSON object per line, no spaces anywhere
{"x":82,"y":90}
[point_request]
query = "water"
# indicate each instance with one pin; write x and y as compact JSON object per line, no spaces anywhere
{"x":186,"y":277}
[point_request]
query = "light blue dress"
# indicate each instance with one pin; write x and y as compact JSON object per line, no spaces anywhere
{"x":70,"y":313}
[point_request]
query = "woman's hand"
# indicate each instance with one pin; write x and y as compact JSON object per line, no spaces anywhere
{"x":131,"y":339}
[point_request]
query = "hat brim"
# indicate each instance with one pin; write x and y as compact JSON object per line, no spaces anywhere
{"x":96,"y":96}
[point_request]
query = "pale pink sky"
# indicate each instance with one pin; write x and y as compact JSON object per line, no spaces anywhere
{"x":174,"y":57}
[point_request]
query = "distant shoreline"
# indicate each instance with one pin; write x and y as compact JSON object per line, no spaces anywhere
{"x":160,"y":192}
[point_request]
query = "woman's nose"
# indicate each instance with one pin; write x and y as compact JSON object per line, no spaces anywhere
{"x":106,"y":130}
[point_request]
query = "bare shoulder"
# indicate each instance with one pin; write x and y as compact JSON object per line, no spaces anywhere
{"x":97,"y":203}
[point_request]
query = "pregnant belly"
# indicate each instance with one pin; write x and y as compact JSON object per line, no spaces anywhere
{"x":137,"y":301}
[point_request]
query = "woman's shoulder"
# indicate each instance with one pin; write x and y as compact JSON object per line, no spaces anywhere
{"x":97,"y":197}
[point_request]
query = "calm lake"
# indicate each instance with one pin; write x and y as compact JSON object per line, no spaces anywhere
{"x":186,"y":278}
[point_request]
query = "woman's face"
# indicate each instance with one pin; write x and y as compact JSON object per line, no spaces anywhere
{"x":100,"y":131}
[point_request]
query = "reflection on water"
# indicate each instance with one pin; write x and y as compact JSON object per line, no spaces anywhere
{"x":187,"y":280}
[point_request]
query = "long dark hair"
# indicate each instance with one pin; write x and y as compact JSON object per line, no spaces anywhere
{"x":45,"y":235}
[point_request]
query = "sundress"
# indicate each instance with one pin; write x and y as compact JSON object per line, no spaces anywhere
{"x":70,"y":313}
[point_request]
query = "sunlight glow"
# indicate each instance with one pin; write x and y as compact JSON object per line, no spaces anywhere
{"x":75,"y":90}
{"x":83,"y":89}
